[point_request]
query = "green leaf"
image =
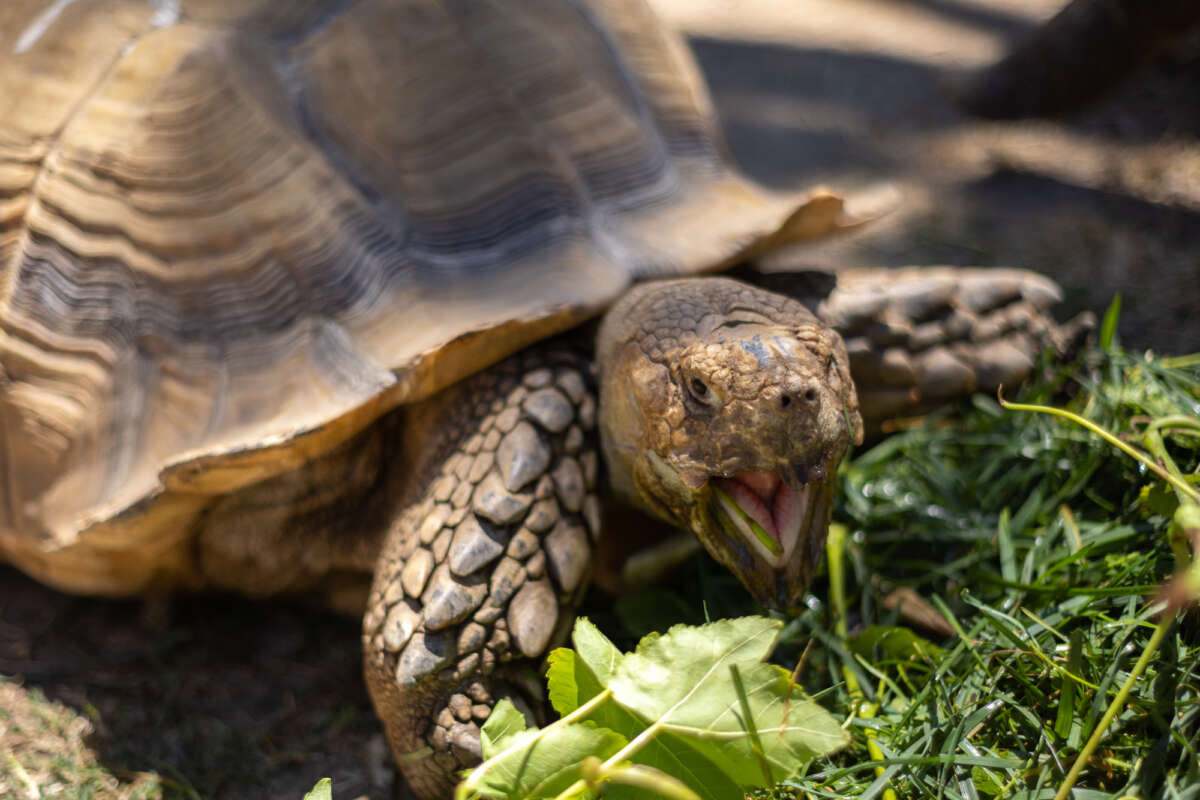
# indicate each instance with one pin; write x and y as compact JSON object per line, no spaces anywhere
{"x":323,"y":790}
{"x":674,"y":756}
{"x":680,"y":682}
{"x":563,"y":680}
{"x":504,"y":722}
{"x":675,"y":700}
{"x":601,"y":655}
{"x":574,"y":678}
{"x":1108,"y":327}
{"x":643,"y":780}
{"x":1157,"y":498}
{"x":535,"y":763}
{"x":879,"y":643}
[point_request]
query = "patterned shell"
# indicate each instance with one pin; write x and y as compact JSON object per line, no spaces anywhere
{"x":235,"y":232}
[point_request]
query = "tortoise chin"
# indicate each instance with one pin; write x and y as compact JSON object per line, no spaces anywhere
{"x":767,"y":528}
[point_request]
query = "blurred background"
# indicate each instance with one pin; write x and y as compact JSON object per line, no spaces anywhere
{"x":853,"y":92}
{"x":240,"y":699}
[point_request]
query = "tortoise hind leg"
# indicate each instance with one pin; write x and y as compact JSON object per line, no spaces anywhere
{"x":481,"y":569}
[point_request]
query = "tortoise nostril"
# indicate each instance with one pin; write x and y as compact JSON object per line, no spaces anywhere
{"x":807,"y":395}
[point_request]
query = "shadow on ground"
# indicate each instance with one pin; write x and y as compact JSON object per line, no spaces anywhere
{"x":232,"y":698}
{"x":1106,"y":202}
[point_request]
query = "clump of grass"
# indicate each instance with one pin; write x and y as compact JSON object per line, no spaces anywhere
{"x":1044,"y":549}
{"x":44,"y":754}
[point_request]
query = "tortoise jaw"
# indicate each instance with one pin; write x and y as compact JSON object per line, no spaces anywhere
{"x":767,"y":528}
{"x":766,"y":510}
{"x":768,"y":531}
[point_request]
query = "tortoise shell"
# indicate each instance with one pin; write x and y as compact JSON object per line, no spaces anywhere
{"x":233,"y":234}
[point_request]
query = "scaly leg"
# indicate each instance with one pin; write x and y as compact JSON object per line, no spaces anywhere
{"x":919,"y":337}
{"x":480,"y":571}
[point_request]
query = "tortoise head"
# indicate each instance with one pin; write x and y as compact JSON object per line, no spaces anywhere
{"x":725,"y":410}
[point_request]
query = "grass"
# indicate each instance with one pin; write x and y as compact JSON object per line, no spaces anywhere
{"x":1038,"y":550}
{"x":44,"y":754}
{"x":1043,"y":547}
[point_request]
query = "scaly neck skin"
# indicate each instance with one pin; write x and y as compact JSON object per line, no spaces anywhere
{"x":724,"y":410}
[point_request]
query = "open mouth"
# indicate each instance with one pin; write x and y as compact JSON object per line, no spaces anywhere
{"x":766,"y":510}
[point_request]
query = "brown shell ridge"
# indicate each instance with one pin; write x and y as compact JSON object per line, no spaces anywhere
{"x":512,"y":25}
{"x":47,"y":147}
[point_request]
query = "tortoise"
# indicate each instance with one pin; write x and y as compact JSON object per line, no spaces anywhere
{"x":302,"y":298}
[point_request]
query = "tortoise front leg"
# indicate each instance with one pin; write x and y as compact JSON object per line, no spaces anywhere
{"x":480,"y":571}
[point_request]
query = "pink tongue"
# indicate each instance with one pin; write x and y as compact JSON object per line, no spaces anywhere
{"x":768,"y":501}
{"x":763,"y":483}
{"x":790,"y":508}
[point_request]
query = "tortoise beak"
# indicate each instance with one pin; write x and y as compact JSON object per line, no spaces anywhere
{"x":769,"y":528}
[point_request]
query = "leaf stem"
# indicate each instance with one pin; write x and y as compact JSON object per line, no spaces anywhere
{"x":1180,"y":485}
{"x":1115,"y":706}
{"x":1176,"y":362}
{"x":640,"y":776}
{"x":748,"y":724}
{"x":1179,"y":423}
{"x":835,"y":546}
{"x":628,"y":751}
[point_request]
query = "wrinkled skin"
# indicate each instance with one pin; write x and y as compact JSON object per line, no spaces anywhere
{"x":725,"y":410}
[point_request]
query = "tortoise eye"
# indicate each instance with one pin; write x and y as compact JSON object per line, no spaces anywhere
{"x":700,"y":392}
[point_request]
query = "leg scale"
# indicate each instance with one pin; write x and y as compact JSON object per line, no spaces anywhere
{"x":481,"y":570}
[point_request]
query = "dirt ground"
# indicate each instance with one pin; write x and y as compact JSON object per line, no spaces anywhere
{"x":237,"y":699}
{"x":851,"y":93}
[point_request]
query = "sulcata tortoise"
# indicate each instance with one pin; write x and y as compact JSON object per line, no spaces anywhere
{"x":299,"y":296}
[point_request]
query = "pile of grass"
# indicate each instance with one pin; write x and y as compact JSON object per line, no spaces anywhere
{"x":1044,"y":548}
{"x":44,"y":754}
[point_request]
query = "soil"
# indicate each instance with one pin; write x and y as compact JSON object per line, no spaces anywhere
{"x":220,"y":697}
{"x":854,"y":93}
